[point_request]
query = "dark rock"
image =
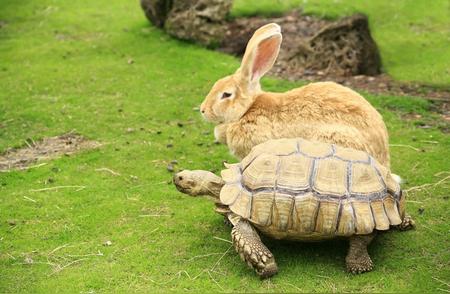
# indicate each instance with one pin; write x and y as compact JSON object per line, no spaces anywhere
{"x":201,"y":22}
{"x":170,"y":168}
{"x":194,"y":20}
{"x":169,"y":145}
{"x":156,"y":10}
{"x":313,"y":46}
{"x":349,"y":44}
{"x":421,"y":210}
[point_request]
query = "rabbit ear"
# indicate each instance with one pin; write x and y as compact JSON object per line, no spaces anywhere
{"x":261,"y":52}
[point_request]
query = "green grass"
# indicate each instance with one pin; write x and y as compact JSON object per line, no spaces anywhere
{"x":64,"y":66}
{"x":413,"y":36}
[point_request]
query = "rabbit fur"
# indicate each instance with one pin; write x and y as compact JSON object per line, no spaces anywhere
{"x":327,"y":112}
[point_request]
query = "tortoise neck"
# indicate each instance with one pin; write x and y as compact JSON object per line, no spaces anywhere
{"x":210,"y":185}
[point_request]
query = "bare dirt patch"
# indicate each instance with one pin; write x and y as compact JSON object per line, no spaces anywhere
{"x":315,"y":49}
{"x":45,"y":149}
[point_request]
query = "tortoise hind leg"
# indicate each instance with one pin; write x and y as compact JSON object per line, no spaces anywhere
{"x":248,"y":244}
{"x":358,"y":259}
{"x":407,"y":224}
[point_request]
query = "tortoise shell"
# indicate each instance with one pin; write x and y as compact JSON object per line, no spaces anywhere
{"x":298,"y":189}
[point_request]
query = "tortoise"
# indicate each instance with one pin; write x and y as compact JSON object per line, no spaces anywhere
{"x":301,"y":190}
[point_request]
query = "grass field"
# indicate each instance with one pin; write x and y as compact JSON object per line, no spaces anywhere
{"x":99,"y":68}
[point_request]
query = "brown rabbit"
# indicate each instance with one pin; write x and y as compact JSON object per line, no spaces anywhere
{"x":325,"y":111}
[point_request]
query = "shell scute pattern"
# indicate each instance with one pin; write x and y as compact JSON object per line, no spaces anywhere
{"x":262,"y":172}
{"x":282,"y":211}
{"x":379,"y":214}
{"x":365,"y":180}
{"x":306,"y":207}
{"x":232,"y":174}
{"x":294,"y":172}
{"x":346,"y":226}
{"x":331,"y":177}
{"x":243,"y":204}
{"x":262,"y":208}
{"x":363,"y":217}
{"x":306,"y":188}
{"x":392,"y":212}
{"x":229,"y":193}
{"x":327,"y":217}
{"x":280,"y":147}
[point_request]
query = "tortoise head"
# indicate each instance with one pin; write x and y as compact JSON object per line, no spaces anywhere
{"x":198,"y":182}
{"x":187,"y":182}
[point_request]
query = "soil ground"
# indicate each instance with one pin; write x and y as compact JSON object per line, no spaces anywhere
{"x":47,"y":148}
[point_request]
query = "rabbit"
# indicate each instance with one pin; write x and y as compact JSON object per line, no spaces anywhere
{"x":246,"y":116}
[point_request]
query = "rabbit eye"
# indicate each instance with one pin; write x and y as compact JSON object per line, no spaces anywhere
{"x":226,"y":95}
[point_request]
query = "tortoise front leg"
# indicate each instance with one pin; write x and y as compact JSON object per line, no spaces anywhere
{"x":248,"y":244}
{"x":225,"y":211}
{"x":358,"y":260}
